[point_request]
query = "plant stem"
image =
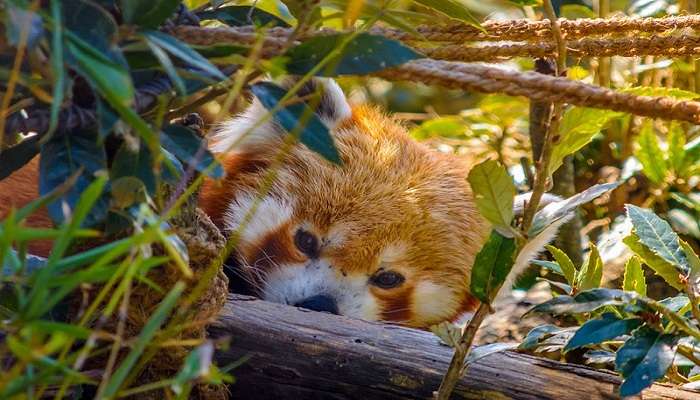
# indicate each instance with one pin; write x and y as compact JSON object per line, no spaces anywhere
{"x":456,"y":367}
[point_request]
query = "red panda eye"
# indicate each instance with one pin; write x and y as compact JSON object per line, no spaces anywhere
{"x":387,"y":279}
{"x":306,"y":243}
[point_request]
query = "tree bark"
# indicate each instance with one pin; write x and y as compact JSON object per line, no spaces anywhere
{"x":300,"y":354}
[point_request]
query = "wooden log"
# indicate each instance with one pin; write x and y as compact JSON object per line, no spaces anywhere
{"x":300,"y":354}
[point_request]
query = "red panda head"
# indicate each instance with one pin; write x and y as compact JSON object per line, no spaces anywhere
{"x":389,"y":235}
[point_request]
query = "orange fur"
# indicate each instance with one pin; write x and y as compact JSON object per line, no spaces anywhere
{"x":18,"y":190}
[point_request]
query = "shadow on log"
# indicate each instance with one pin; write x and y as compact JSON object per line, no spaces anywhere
{"x":299,"y":354}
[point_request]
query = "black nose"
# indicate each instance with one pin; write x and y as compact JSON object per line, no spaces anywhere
{"x":320,"y":302}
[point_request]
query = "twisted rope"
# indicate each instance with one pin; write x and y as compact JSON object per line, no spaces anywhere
{"x":539,"y":87}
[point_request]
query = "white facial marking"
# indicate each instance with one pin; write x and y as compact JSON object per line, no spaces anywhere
{"x":429,"y":300}
{"x":393,"y":253}
{"x":271,"y":213}
{"x":293,"y":283}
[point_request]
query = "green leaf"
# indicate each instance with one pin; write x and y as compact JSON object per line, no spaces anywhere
{"x":650,"y":155}
{"x":549,"y":266}
{"x":17,"y":156}
{"x":676,"y":144}
{"x":139,"y":164}
{"x":660,"y":266}
{"x":111,"y":79}
{"x":449,"y":333}
{"x":186,"y":145}
{"x":63,"y":156}
{"x":657,"y":235}
{"x":149,"y":330}
{"x":567,"y":266}
{"x":494,"y":192}
{"x":242,"y":16}
{"x":523,"y":3}
{"x":555,"y":211}
{"x":363,"y":54}
{"x":58,"y":68}
{"x":91,"y":23}
{"x":448,"y":127}
{"x":634,"y":280}
{"x":452,"y":9}
{"x":491,"y":266}
{"x":167,"y":65}
{"x":148,"y":14}
{"x":536,"y":334}
{"x":607,"y":327}
{"x":693,"y":286}
{"x":185,"y":53}
{"x":643,"y":359}
{"x":583,"y":302}
{"x":298,"y":119}
{"x":196,"y":365}
{"x":591,"y":273}
{"x":579,"y":125}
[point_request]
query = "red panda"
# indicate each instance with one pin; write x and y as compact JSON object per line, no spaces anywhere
{"x":388,"y":235}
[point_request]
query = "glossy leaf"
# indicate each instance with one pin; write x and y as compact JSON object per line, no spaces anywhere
{"x":148,"y":14}
{"x":491,"y":266}
{"x":17,"y":156}
{"x":186,"y":145}
{"x":650,"y":155}
{"x":242,"y":16}
{"x":91,"y":23}
{"x":634,"y":280}
{"x":183,"y":52}
{"x":63,"y":156}
{"x":660,"y":266}
{"x":607,"y":327}
{"x":644,"y":358}
{"x":579,"y":125}
{"x":536,"y":334}
{"x":167,"y":65}
{"x":567,"y":266}
{"x":139,"y":164}
{"x":363,"y":54}
{"x":298,"y":119}
{"x":555,"y":211}
{"x":657,"y":235}
{"x":452,"y":9}
{"x":591,"y":273}
{"x":494,"y":192}
{"x":111,"y":79}
{"x":583,"y":302}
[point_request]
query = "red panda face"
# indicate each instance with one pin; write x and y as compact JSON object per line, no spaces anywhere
{"x":389,"y":235}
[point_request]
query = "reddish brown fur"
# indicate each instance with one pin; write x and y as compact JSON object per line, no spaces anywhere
{"x":18,"y":190}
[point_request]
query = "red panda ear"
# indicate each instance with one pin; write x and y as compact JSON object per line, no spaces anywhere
{"x":241,"y":133}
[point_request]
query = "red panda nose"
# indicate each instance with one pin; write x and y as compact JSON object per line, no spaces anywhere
{"x":320,"y":302}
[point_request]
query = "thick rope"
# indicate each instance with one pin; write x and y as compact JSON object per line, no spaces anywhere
{"x":671,"y":46}
{"x":539,"y":87}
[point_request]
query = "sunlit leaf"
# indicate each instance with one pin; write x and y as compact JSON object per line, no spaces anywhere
{"x":494,"y":192}
{"x":567,"y":266}
{"x":634,"y":280}
{"x":661,"y":267}
{"x":676,"y":144}
{"x":591,"y":272}
{"x":583,"y":302}
{"x":650,"y":155}
{"x":657,"y":235}
{"x":183,"y":52}
{"x":452,"y":9}
{"x":578,"y":127}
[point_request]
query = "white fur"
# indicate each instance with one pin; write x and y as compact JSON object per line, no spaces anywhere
{"x":270,"y":215}
{"x":249,"y":129}
{"x":293,"y":283}
{"x":429,"y":300}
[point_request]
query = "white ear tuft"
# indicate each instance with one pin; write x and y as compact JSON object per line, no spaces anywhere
{"x":240,"y":132}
